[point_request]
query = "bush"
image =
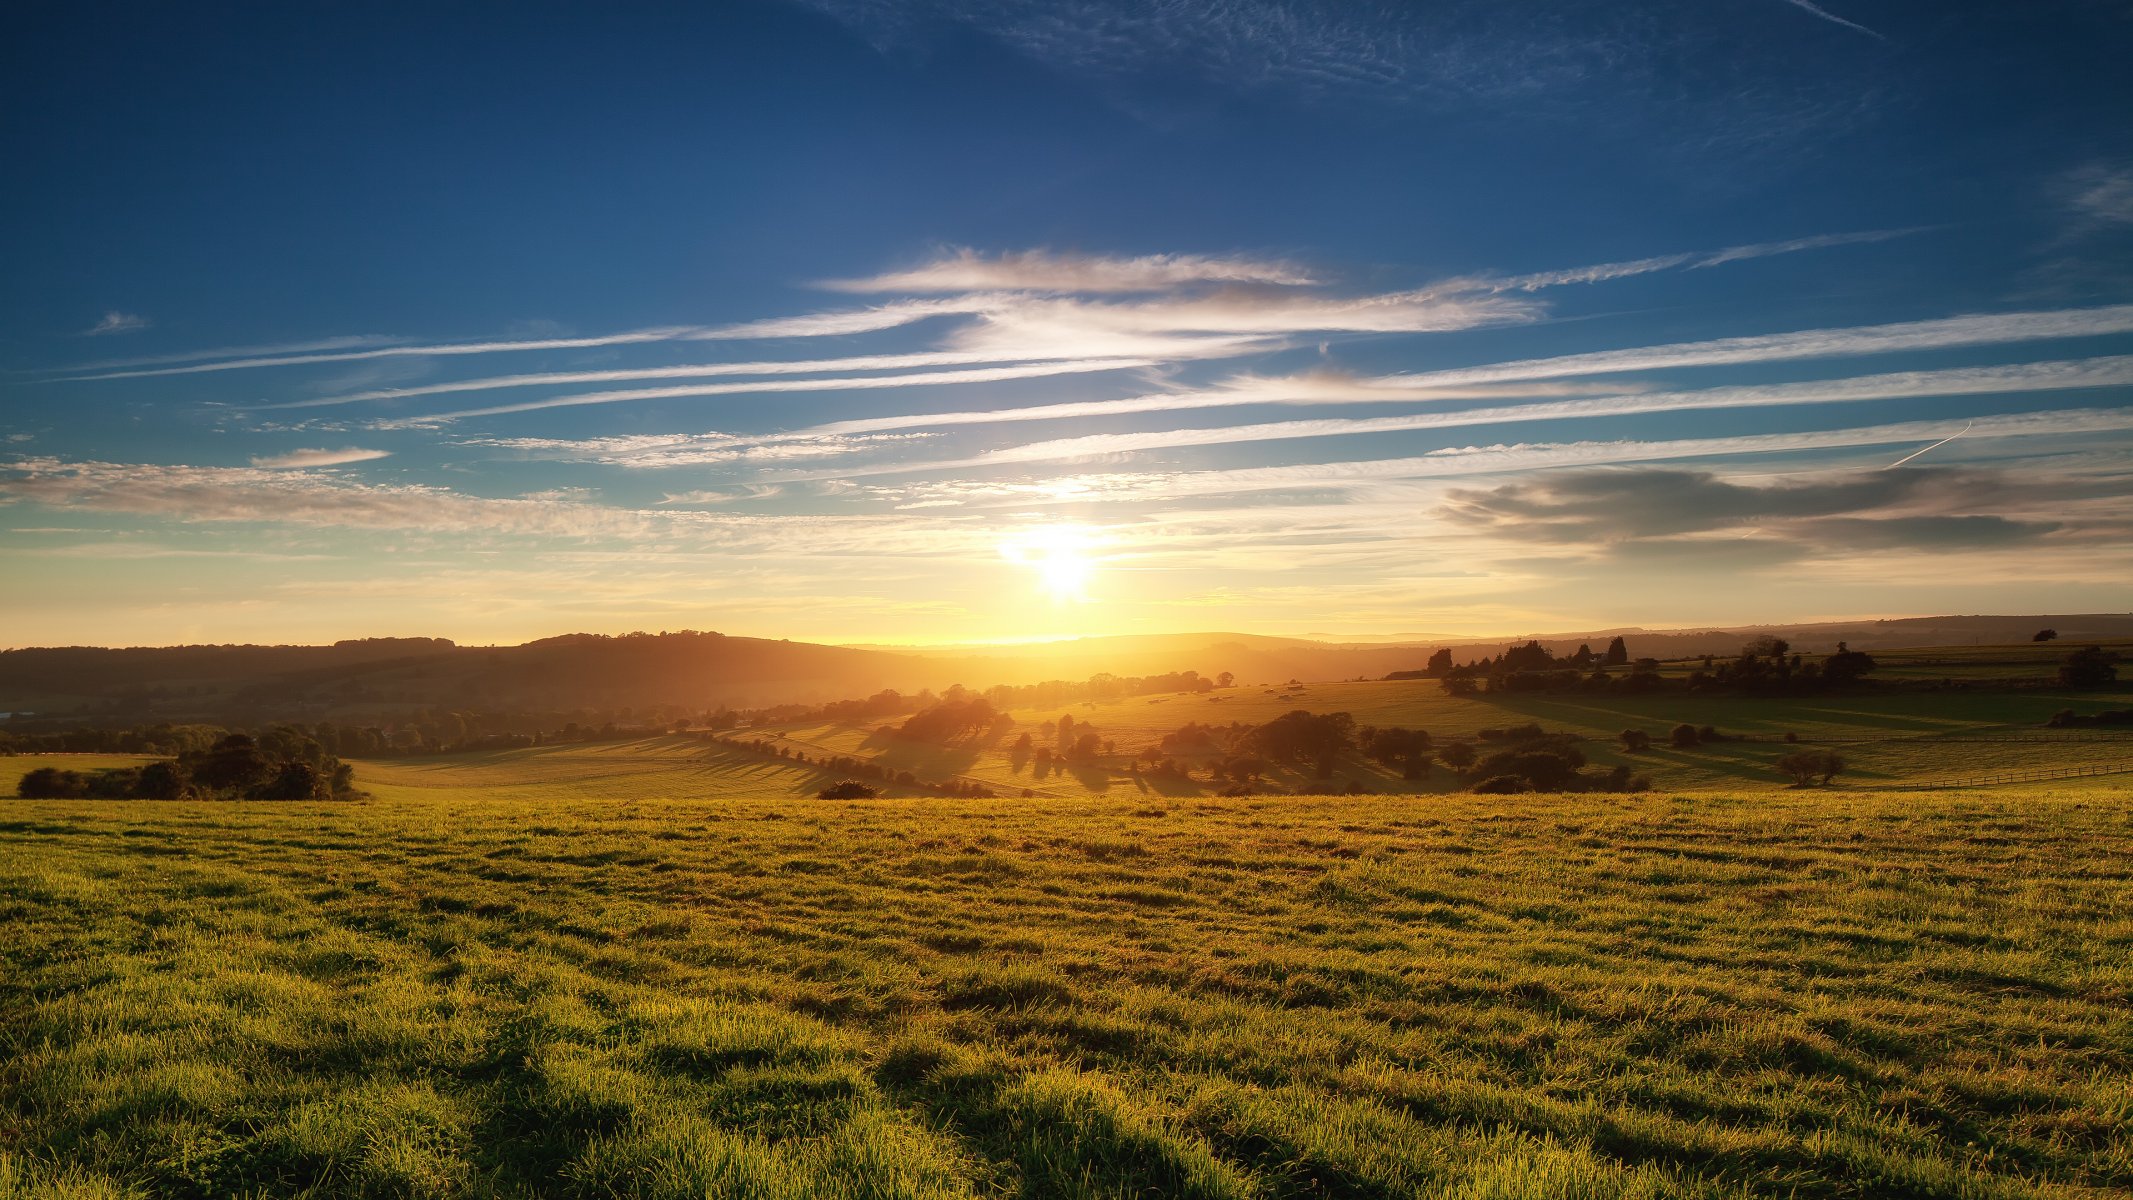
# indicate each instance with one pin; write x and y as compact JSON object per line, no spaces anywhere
{"x":1684,"y":736}
{"x":2088,"y":667}
{"x":850,"y":789}
{"x":1502,"y":785}
{"x":1636,"y":741}
{"x":1543,"y":770}
{"x":51,"y":783}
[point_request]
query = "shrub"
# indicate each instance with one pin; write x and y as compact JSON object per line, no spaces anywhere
{"x":2088,"y":667}
{"x":51,"y":783}
{"x":1636,"y":741}
{"x":850,"y":789}
{"x":1543,"y":770}
{"x":1685,"y":736}
{"x":1502,"y":785}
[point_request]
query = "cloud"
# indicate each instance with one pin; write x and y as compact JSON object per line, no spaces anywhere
{"x":117,"y":322}
{"x":647,"y":451}
{"x":965,"y":270}
{"x":1940,"y":333}
{"x":2101,"y":196}
{"x":1140,"y":486}
{"x":218,"y":494}
{"x":446,"y":349}
{"x":1821,"y":241}
{"x":823,"y":366}
{"x":923,"y":379}
{"x":319,"y":458}
{"x":1618,"y":505}
{"x":2024,"y":378}
{"x":1834,"y":19}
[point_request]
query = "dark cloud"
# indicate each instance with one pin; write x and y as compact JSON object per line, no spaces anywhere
{"x":1669,"y":513}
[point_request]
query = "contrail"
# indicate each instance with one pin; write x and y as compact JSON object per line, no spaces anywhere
{"x":1935,"y":446}
{"x":1827,"y":15}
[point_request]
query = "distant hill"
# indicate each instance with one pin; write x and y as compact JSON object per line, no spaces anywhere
{"x":380,"y":678}
{"x":1258,"y":659}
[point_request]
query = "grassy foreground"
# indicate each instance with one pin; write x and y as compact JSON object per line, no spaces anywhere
{"x":1780,"y":995}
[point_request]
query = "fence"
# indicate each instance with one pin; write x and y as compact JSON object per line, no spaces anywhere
{"x":2035,"y":776}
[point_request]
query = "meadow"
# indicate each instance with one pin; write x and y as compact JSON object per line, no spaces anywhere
{"x":467,"y":986}
{"x":1887,"y":737}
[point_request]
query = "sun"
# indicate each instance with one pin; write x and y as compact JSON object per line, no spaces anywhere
{"x":1060,"y":557}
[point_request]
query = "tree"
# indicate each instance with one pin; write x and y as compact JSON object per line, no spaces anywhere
{"x":1636,"y":741}
{"x":2088,"y":667}
{"x":1458,"y":756}
{"x":1440,"y":663}
{"x":1459,"y":684}
{"x":1684,"y":736}
{"x":1846,"y":665}
{"x":1544,"y":770}
{"x":1617,"y":654}
{"x":1767,"y":646}
{"x":160,"y":781}
{"x":2045,"y":635}
{"x":1804,"y":766}
{"x":1530,"y":657}
{"x":1300,"y":735}
{"x":233,"y":765}
{"x":51,"y":783}
{"x":1225,"y":679}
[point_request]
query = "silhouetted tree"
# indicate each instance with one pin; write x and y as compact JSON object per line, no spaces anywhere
{"x":1617,"y":654}
{"x":2088,"y":667}
{"x":1804,"y":766}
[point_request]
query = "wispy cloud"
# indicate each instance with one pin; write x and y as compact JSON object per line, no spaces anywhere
{"x":1519,"y":378}
{"x":117,"y":322}
{"x":1833,"y":18}
{"x":2028,"y":377}
{"x":820,"y":366}
{"x":966,"y":270}
{"x":1136,"y":486}
{"x":319,"y":458}
{"x":922,"y":379}
{"x":2101,"y":195}
{"x":649,"y":451}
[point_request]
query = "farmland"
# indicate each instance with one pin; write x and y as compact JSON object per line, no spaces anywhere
{"x":494,"y":992}
{"x":661,"y":967}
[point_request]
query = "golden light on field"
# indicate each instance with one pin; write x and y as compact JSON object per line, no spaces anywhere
{"x":1058,"y":555}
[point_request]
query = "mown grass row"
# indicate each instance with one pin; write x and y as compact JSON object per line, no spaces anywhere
{"x":1842,"y":996}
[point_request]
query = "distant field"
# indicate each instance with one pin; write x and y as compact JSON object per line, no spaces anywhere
{"x":450,"y":991}
{"x":1886,"y":737}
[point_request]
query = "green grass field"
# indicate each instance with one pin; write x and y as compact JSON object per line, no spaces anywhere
{"x":483,"y":984}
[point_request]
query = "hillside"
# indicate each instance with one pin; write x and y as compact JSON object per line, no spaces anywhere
{"x":385,"y":678}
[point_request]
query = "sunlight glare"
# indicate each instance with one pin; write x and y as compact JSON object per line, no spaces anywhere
{"x":1059,"y":556}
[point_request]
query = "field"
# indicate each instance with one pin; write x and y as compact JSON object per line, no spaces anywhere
{"x":1886,"y":737}
{"x":469,"y":987}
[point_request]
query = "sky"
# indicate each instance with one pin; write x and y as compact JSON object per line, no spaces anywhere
{"x":948,"y":321}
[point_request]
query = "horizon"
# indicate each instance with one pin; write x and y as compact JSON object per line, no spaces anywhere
{"x":1387,"y":641}
{"x":931,"y":323}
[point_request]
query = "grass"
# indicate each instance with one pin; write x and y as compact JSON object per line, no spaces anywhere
{"x":1885,"y":737}
{"x":562,"y":975}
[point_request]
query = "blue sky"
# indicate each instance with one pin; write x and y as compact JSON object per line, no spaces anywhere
{"x":872,"y":320}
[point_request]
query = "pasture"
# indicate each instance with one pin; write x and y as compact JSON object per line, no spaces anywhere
{"x":1886,"y":737}
{"x":475,"y":987}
